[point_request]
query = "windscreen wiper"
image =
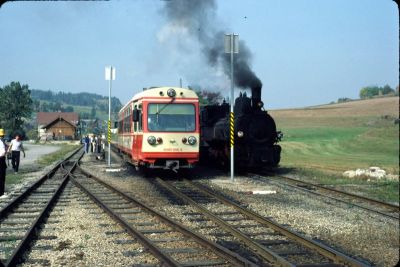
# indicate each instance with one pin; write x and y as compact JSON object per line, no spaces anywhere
{"x":159,"y":112}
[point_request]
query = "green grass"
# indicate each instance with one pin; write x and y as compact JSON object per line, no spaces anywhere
{"x":323,"y":144}
{"x":57,"y":155}
{"x":321,"y":149}
{"x":384,"y":190}
{"x":12,"y":178}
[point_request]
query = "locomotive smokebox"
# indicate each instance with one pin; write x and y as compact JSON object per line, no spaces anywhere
{"x":256,"y":97}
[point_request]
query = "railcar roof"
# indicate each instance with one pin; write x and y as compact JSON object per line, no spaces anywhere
{"x":155,"y":92}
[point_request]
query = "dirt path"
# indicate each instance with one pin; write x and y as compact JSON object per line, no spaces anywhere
{"x":34,"y":152}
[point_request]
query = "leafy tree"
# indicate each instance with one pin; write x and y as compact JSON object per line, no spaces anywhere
{"x":16,"y":104}
{"x":68,"y":109}
{"x":208,"y":97}
{"x":387,"y":90}
{"x":343,"y":99}
{"x":36,"y":105}
{"x":370,"y":91}
{"x":84,"y":115}
{"x":93,"y":112}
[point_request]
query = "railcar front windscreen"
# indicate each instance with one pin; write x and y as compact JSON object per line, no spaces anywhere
{"x":171,"y":117}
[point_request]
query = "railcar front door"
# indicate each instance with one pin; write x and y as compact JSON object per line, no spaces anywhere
{"x":137,"y":138}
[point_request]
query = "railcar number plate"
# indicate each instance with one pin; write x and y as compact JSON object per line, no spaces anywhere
{"x":173,"y":149}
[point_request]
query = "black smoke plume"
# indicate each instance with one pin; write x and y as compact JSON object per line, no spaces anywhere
{"x":199,"y":19}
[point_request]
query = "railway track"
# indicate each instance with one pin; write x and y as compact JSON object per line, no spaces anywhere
{"x":23,"y":216}
{"x":273,"y":243}
{"x":372,"y":205}
{"x":172,"y":243}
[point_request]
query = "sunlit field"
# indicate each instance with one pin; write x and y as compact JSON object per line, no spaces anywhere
{"x":331,"y":139}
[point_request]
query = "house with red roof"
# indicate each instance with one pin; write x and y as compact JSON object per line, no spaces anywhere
{"x":57,"y":125}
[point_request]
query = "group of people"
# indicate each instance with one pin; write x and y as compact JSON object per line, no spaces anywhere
{"x":93,"y":144}
{"x":13,"y":151}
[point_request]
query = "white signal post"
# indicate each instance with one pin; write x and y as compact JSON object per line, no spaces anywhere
{"x":232,"y":47}
{"x":110,"y":76}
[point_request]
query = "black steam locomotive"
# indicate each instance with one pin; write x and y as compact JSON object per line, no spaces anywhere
{"x":256,"y":139}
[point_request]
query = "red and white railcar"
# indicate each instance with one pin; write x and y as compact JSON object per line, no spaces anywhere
{"x":159,"y":128}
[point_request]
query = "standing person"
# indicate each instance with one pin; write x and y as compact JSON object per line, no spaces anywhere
{"x":90,"y":143}
{"x":3,"y":165}
{"x":96,"y":141}
{"x":99,"y":141}
{"x":93,"y":144}
{"x":16,"y":147}
{"x":86,"y":141}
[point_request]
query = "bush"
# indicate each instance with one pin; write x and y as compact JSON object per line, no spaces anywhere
{"x":343,"y":99}
{"x":32,"y":134}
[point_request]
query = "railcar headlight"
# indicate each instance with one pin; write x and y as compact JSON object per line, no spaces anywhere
{"x":192,"y":140}
{"x":240,"y":134}
{"x":171,"y":92}
{"x":151,"y":140}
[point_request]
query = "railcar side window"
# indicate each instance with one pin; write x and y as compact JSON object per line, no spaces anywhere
{"x":120,"y":126}
{"x":127,"y":121}
{"x":140,"y":122}
{"x":135,"y":124}
{"x":171,"y":117}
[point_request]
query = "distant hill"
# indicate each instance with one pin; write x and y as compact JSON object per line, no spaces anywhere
{"x":88,"y":105}
{"x":338,"y":137}
{"x":356,"y":108}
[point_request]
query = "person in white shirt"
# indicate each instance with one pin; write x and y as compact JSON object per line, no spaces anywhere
{"x":3,"y":165}
{"x":15,"y":148}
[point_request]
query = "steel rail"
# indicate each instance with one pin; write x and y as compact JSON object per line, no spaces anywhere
{"x":17,"y":255}
{"x":386,"y":205}
{"x":336,"y":256}
{"x":165,"y":259}
{"x":260,"y":250}
{"x":12,"y":204}
{"x":217,"y":249}
{"x":375,"y":201}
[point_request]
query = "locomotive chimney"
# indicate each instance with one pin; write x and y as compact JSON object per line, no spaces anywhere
{"x":256,"y":97}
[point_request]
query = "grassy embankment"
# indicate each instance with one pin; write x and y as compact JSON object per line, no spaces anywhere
{"x":42,"y":162}
{"x":322,"y":142}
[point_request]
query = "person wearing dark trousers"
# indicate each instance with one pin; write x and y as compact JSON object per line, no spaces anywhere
{"x":86,"y":142}
{"x":3,"y":165}
{"x":15,"y":148}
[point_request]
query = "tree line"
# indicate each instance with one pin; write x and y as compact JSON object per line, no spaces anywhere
{"x":18,"y":103}
{"x":48,"y":101}
{"x":371,"y":91}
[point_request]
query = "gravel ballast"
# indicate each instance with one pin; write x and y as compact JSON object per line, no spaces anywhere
{"x":348,"y":229}
{"x":85,"y":236}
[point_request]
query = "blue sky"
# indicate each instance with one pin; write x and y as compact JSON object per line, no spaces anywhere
{"x":305,"y":52}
